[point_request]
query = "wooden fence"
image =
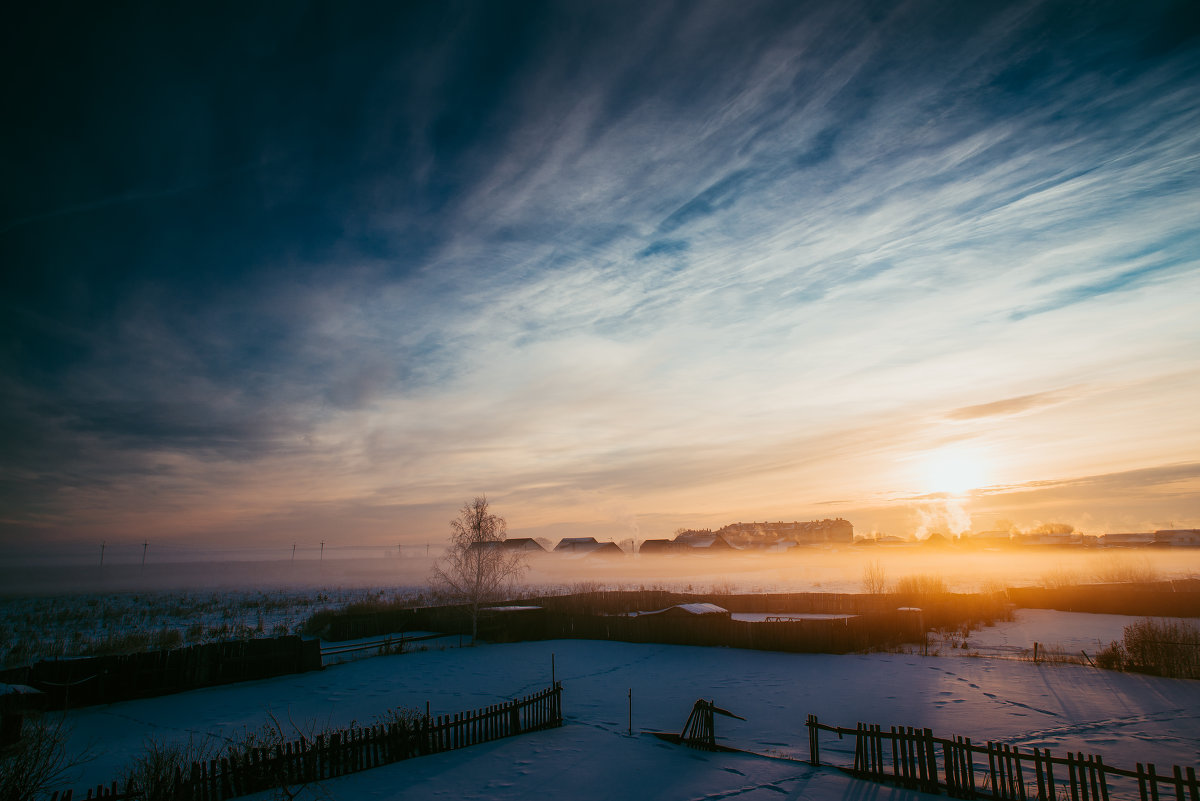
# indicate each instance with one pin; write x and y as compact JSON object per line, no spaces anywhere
{"x":591,"y":615}
{"x":328,"y":756}
{"x":1157,"y":599}
{"x":910,"y":758}
{"x":86,"y":681}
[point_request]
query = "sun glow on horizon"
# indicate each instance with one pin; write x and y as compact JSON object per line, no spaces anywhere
{"x":952,"y":471}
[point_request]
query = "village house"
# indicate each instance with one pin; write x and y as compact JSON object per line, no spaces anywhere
{"x":812,"y":532}
{"x":1180,"y":537}
{"x":576,"y":545}
{"x":704,"y":541}
{"x":524,"y":544}
{"x":1127,"y":540}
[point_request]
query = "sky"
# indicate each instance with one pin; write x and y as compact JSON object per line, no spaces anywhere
{"x":287,"y":272}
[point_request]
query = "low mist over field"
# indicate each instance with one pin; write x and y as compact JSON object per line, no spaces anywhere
{"x":816,"y":570}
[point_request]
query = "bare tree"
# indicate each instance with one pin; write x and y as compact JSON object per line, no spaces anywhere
{"x":39,"y":761}
{"x":874,"y":580}
{"x":477,"y":568}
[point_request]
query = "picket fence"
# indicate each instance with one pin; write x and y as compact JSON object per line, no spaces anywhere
{"x":305,"y":761}
{"x":909,"y":757}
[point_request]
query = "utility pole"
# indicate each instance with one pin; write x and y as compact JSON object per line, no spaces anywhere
{"x":145,"y":547}
{"x":322,"y":551}
{"x":102,"y":544}
{"x":293,"y":552}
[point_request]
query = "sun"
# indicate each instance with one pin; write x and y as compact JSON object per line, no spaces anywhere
{"x":953,"y":472}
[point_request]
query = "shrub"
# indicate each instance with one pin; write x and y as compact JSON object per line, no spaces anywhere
{"x":151,"y":775}
{"x":1111,"y":657}
{"x":38,"y":762}
{"x":1162,"y":647}
{"x":1060,"y":578}
{"x":874,"y":578}
{"x":1126,"y":570}
{"x":921,"y":585}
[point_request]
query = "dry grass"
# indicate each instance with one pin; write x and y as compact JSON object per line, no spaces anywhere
{"x":921,"y":585}
{"x":1126,"y":569}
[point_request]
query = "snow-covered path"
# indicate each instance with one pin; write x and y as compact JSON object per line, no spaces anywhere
{"x":1126,"y":718}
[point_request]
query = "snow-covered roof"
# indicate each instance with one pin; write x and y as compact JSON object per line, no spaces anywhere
{"x":18,"y":689}
{"x":691,"y":609}
{"x":705,"y":541}
{"x":20,"y":698}
{"x":509,"y":608}
{"x":703,"y":609}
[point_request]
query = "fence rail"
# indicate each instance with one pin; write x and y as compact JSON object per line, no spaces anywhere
{"x":351,"y":750}
{"x":909,"y":757}
{"x":399,"y":641}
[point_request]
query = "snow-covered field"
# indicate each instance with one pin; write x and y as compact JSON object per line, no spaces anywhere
{"x":1126,"y":718}
{"x":1068,"y":633}
{"x":49,"y":626}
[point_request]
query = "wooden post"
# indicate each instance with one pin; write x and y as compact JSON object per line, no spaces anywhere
{"x":948,"y":762}
{"x":970,"y":768}
{"x":895,"y":755}
{"x":814,"y":756}
{"x":930,"y":749}
{"x":1020,"y":774}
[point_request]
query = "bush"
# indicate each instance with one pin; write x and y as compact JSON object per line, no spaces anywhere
{"x":1111,"y":657}
{"x":1126,"y":570}
{"x":38,"y":762}
{"x":874,"y":578}
{"x":1162,"y":647}
{"x":151,"y":775}
{"x":921,"y":585}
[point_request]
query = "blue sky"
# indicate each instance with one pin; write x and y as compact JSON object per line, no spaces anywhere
{"x":303,"y":271}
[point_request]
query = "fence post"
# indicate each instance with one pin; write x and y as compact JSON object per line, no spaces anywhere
{"x":814,"y":756}
{"x":895,"y":756}
{"x":1020,"y":773}
{"x":931,"y":772}
{"x":948,"y":762}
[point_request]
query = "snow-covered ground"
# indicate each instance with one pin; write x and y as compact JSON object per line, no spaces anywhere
{"x":758,"y":617}
{"x":1126,"y":718}
{"x":1068,"y":633}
